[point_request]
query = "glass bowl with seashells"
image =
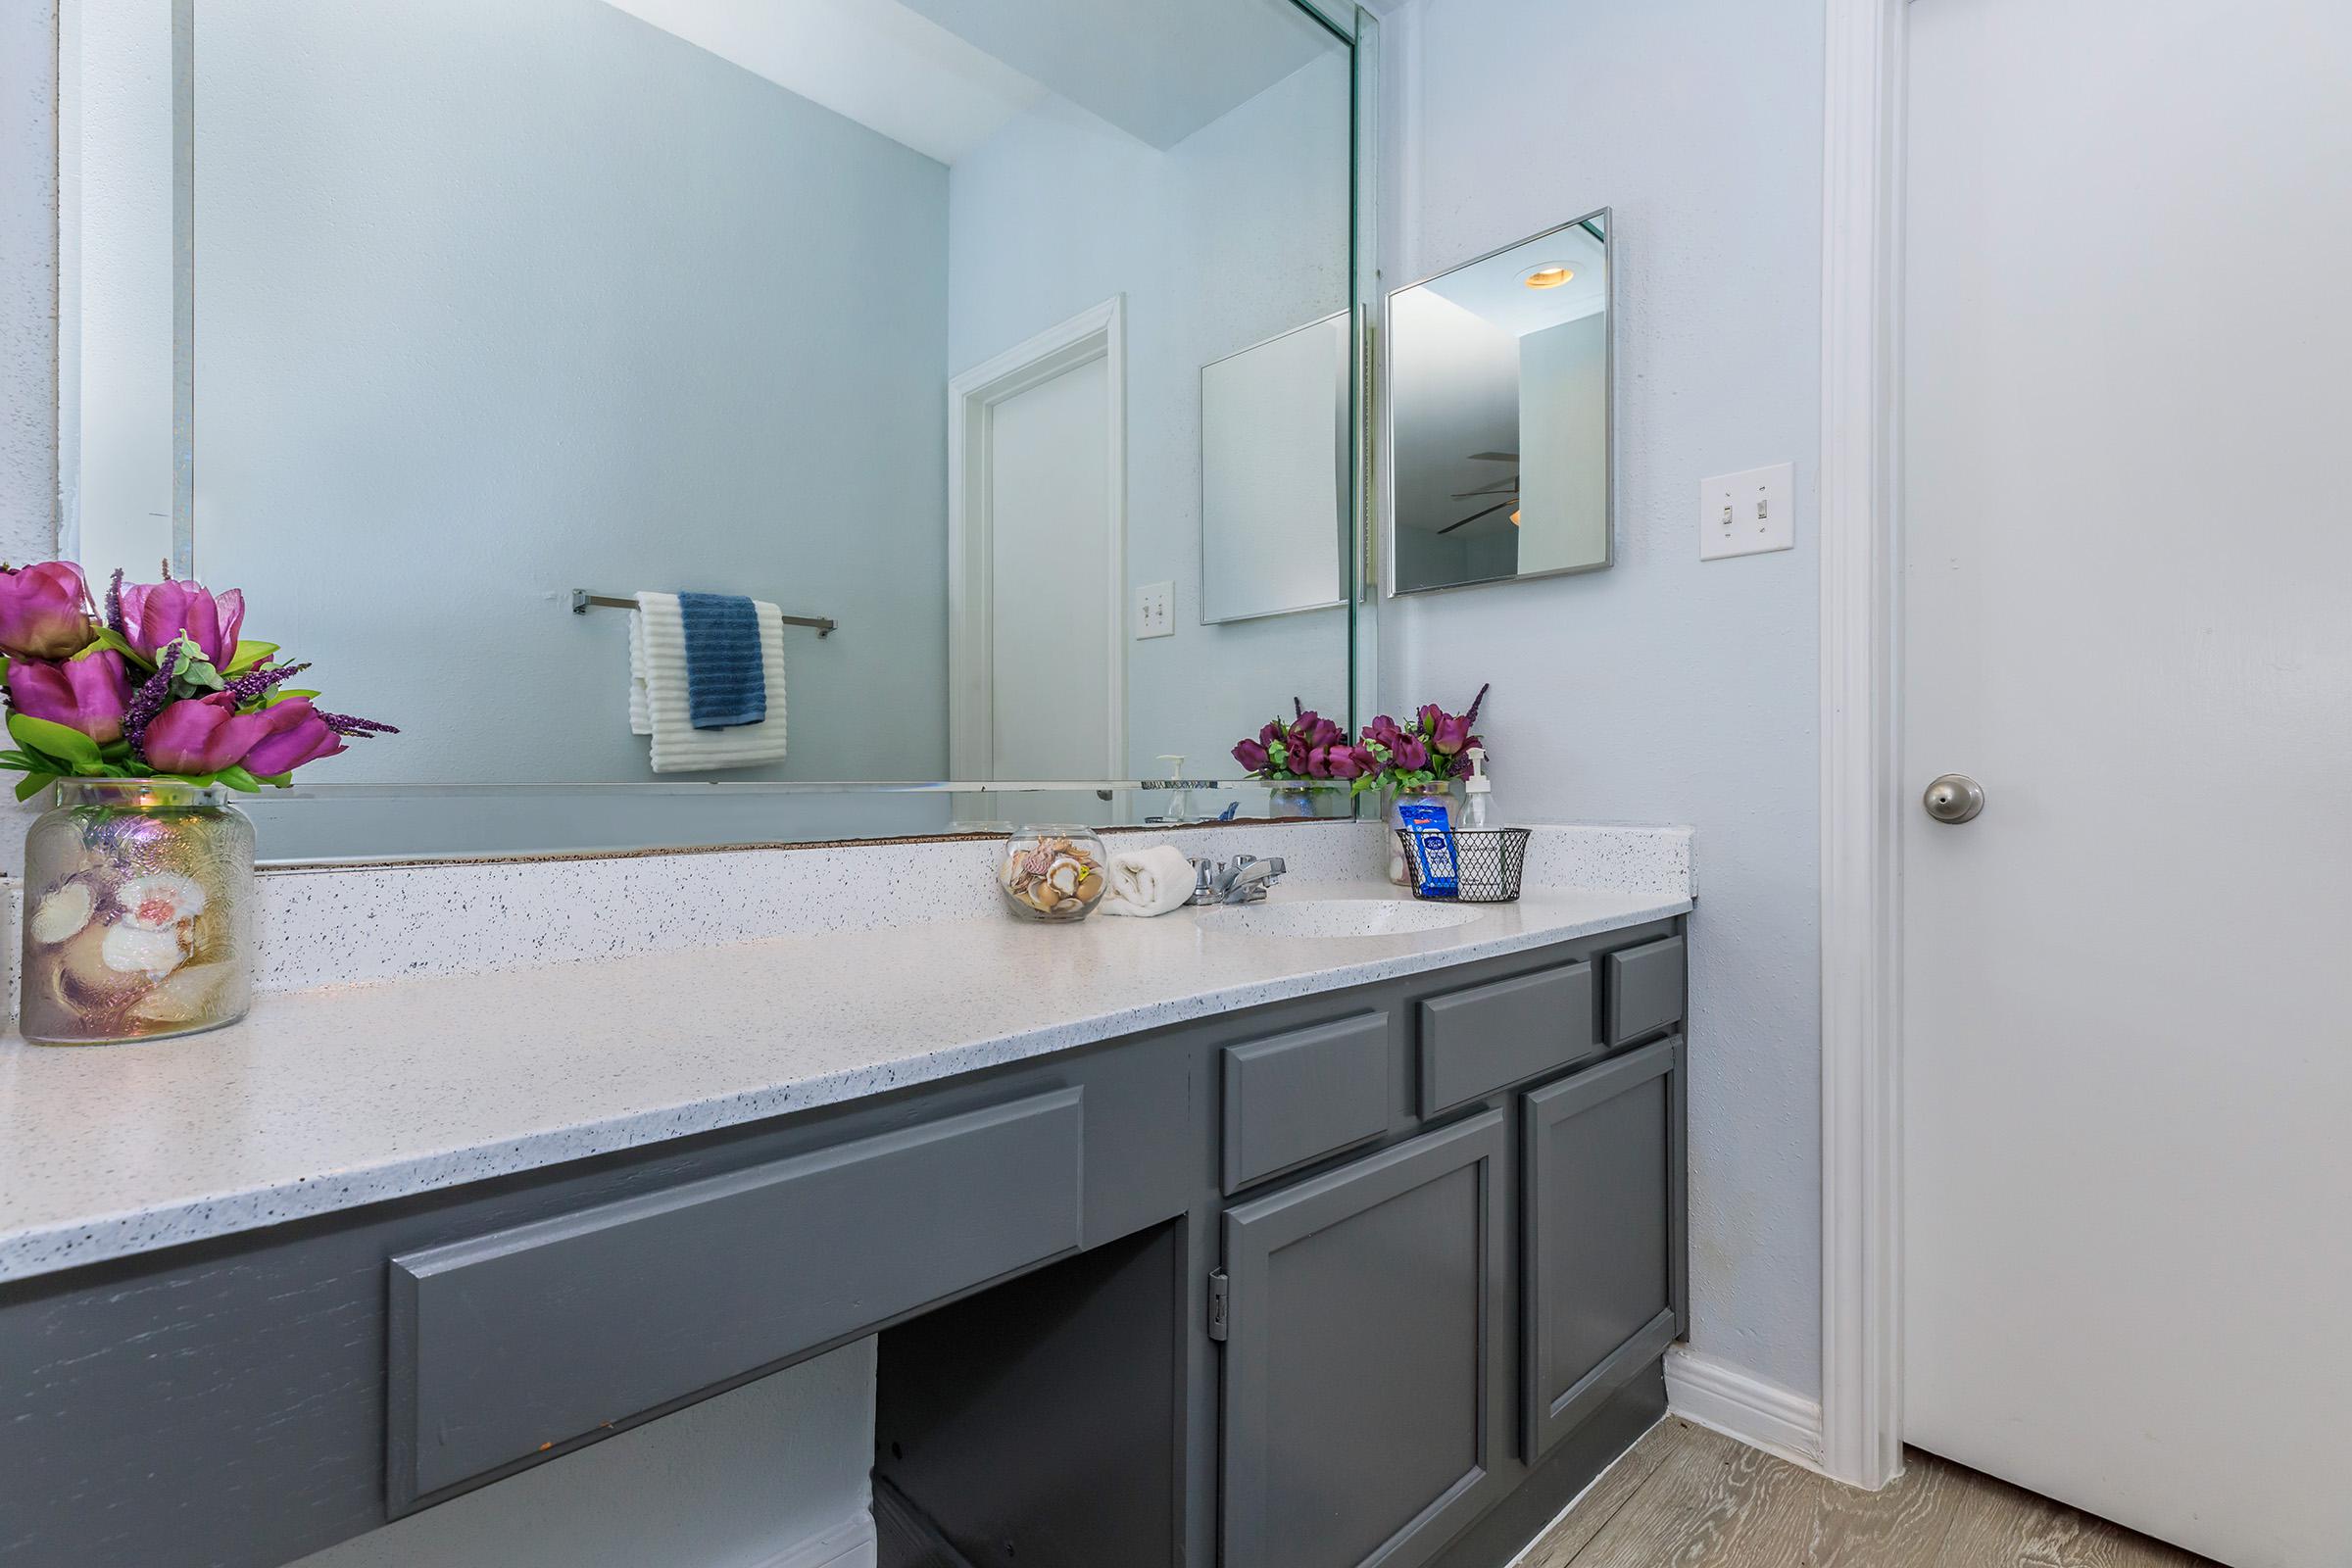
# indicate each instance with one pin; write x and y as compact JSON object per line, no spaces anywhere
{"x":1053,"y":873}
{"x":138,"y":912}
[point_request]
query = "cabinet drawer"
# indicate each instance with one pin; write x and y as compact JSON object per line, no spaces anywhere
{"x":1477,"y":1041}
{"x":513,"y":1343}
{"x":1295,"y":1096}
{"x":1645,"y":990}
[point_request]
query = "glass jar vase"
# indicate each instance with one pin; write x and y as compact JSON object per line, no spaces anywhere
{"x":1052,"y":873}
{"x":1398,"y":872}
{"x":139,"y":913}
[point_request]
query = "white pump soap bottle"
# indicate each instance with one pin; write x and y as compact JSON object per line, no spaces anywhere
{"x":1478,"y":795}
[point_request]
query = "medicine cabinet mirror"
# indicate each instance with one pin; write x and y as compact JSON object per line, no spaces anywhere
{"x":1499,"y":390}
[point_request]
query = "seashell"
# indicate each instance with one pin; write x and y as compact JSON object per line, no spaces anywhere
{"x":141,"y":951}
{"x":85,"y":982}
{"x":64,"y":911}
{"x":196,"y":992}
{"x":1064,"y":878}
{"x":160,"y":901}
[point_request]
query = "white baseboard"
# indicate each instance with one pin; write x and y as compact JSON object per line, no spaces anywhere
{"x":1722,"y":1398}
{"x":847,"y":1545}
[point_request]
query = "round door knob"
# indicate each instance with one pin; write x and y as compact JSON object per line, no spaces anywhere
{"x":1954,"y":798}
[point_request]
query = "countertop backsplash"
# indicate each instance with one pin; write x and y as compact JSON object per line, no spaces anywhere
{"x":355,"y":924}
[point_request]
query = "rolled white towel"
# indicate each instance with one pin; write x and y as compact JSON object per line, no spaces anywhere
{"x":1149,"y":881}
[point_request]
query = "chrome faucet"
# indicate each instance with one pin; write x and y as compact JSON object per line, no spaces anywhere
{"x":1244,"y":879}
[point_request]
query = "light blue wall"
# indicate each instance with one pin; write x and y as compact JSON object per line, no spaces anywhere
{"x":1663,"y":689}
{"x":1233,"y":235}
{"x":500,"y":300}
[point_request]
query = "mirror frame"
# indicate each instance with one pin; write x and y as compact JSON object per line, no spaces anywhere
{"x":1353,"y":27}
{"x":1606,"y":217}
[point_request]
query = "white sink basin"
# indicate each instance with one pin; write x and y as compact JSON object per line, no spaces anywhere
{"x":1336,"y":917}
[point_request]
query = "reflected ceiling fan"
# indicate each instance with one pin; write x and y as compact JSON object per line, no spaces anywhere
{"x":1508,"y":489}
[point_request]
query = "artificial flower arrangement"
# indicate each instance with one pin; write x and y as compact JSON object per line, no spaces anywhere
{"x":139,"y":889}
{"x":1388,"y":756}
{"x":161,"y":686}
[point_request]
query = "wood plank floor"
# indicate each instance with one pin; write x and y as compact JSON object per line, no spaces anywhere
{"x":1685,"y":1497}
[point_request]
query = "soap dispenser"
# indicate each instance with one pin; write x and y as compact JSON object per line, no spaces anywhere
{"x":1180,"y":801}
{"x":1478,"y":795}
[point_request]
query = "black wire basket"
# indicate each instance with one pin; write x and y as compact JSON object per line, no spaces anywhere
{"x":1488,"y":865}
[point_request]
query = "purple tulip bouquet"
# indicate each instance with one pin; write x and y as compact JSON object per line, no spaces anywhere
{"x":138,"y":917}
{"x":1307,"y":747}
{"x":1388,"y":756}
{"x":160,"y":685}
{"x":1432,"y":750}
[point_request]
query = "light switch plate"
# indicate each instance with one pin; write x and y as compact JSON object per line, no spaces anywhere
{"x":1747,"y":514}
{"x":1155,"y":610}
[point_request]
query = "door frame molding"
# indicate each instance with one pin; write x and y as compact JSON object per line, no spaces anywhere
{"x":1097,"y":333}
{"x":1861,"y":856}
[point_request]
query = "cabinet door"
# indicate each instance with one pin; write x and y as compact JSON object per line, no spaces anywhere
{"x":1601,"y":1208}
{"x":1364,"y":1400}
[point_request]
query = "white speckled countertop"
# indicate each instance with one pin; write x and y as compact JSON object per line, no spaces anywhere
{"x":339,"y":1095}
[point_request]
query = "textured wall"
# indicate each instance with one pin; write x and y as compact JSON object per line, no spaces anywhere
{"x":1662,"y":690}
{"x":27,"y":311}
{"x":496,"y":302}
{"x":1236,"y":233}
{"x":27,"y":279}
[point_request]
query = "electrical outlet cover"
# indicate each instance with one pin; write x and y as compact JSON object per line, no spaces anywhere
{"x":1747,"y":514}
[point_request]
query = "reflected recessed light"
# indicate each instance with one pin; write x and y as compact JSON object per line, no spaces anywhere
{"x":1550,"y":275}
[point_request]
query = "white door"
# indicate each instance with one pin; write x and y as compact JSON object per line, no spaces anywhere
{"x":2128,"y":612}
{"x":1051,"y":531}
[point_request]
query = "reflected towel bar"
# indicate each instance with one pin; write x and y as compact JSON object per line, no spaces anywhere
{"x":581,"y":599}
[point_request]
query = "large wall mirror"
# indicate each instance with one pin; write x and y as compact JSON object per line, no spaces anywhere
{"x":444,"y":328}
{"x":1498,"y":398}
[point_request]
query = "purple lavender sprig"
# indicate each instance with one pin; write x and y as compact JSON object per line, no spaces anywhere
{"x":150,"y":699}
{"x":358,"y":728}
{"x":114,"y":607}
{"x":254,"y":683}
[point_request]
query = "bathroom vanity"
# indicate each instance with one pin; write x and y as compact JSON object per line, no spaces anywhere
{"x":1185,"y":1245}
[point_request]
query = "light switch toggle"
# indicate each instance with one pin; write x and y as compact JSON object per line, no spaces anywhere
{"x":1747,"y":514}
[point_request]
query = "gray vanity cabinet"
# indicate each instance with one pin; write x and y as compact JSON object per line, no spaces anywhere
{"x":1367,"y":1338}
{"x":1601,"y":1206}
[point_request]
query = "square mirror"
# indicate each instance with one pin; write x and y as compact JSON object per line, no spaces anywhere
{"x":1500,"y":386}
{"x":1274,"y":475}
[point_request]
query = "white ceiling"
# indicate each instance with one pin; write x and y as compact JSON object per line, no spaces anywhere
{"x":942,"y":75}
{"x":1160,"y":70}
{"x":1492,"y":290}
{"x":873,"y":61}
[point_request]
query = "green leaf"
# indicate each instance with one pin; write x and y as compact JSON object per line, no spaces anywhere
{"x":32,"y":784}
{"x":285,"y":694}
{"x":108,"y":638}
{"x":283,"y":781}
{"x":23,"y":761}
{"x":249,"y":654}
{"x":53,"y":740}
{"x":237,"y":778}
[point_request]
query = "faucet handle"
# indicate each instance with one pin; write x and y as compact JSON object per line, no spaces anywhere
{"x":1204,"y":879}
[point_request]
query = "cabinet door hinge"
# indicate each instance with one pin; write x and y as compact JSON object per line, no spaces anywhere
{"x":1220,"y":1306}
